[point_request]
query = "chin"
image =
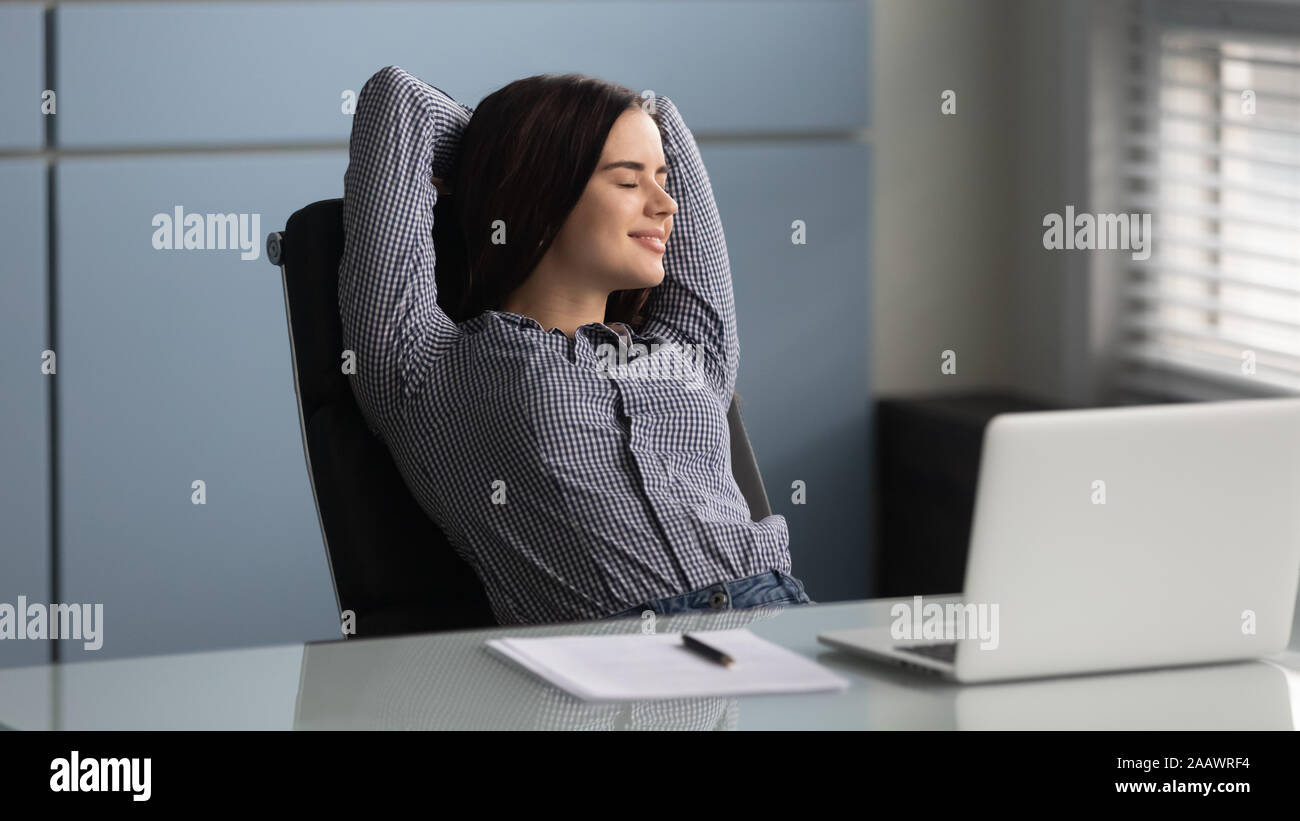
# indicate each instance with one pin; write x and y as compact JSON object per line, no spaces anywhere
{"x":654,"y":279}
{"x":640,"y":281}
{"x":633,"y":277}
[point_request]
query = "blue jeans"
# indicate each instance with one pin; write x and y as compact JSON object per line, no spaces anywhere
{"x":772,"y":587}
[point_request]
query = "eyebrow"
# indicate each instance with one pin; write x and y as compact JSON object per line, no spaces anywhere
{"x":632,"y":164}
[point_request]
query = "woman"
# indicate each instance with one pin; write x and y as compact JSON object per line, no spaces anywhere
{"x":586,"y":223}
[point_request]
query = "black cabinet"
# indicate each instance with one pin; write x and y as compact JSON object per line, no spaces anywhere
{"x":927,"y":462}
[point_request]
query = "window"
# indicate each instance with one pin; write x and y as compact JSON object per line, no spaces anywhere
{"x":1213,"y":154}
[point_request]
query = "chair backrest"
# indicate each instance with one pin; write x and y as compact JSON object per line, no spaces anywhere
{"x":392,"y":566}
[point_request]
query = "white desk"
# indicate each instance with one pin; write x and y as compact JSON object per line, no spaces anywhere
{"x":449,"y":680}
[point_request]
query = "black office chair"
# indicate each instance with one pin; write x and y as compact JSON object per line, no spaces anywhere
{"x":391,"y":565}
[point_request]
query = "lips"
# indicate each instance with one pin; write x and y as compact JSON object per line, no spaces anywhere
{"x":652,"y":240}
{"x":651,"y":243}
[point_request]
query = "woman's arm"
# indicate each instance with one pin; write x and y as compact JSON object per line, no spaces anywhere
{"x":694,"y":304}
{"x":405,"y":134}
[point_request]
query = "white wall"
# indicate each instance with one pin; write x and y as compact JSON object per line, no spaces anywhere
{"x":959,"y":200}
{"x":941,"y":262}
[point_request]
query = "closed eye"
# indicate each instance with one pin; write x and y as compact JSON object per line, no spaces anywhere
{"x":633,"y":185}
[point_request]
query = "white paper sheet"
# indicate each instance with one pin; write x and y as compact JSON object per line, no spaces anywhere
{"x":638,"y":666}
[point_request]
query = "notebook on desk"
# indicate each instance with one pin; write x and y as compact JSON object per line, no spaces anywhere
{"x":637,"y":666}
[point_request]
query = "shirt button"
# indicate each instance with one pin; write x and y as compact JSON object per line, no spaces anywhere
{"x":718,"y":600}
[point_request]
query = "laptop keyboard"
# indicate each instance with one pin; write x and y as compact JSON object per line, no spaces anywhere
{"x":943,"y":651}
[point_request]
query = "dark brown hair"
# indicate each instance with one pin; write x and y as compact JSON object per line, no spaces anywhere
{"x":525,"y":158}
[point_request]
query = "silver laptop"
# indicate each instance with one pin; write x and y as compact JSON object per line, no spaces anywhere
{"x":1116,"y":539}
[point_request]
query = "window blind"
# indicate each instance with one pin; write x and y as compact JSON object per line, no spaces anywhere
{"x":1213,"y":154}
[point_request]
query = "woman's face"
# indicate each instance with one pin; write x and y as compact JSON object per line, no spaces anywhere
{"x":624,"y":196}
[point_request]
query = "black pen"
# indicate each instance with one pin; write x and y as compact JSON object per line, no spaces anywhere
{"x":711,"y":653}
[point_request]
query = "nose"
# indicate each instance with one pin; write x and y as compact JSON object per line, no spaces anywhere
{"x":663,"y":205}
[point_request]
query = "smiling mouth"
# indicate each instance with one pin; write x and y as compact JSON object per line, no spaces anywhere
{"x":651,"y":243}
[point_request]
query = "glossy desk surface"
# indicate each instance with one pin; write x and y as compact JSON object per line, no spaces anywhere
{"x":451,"y":681}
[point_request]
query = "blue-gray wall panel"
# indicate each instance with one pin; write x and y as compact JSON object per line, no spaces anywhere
{"x":22,"y":69}
{"x":195,"y":73}
{"x":24,"y":402}
{"x":804,"y":371}
{"x":175,"y":367}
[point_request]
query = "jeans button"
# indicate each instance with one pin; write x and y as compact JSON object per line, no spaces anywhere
{"x":718,"y":600}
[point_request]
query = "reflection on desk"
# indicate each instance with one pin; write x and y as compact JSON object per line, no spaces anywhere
{"x":1250,"y":695}
{"x":452,"y":681}
{"x":457,"y":684}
